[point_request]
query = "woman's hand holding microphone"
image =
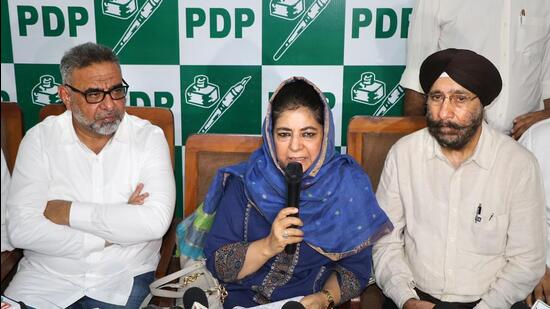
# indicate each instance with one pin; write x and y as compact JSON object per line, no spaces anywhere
{"x":284,"y":231}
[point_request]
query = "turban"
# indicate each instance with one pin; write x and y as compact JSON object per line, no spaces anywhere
{"x":472,"y":71}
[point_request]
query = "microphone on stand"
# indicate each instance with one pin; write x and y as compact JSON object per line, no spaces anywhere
{"x":195,"y":298}
{"x":293,"y":175}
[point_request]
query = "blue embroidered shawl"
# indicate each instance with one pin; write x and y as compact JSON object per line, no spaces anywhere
{"x":337,"y":205}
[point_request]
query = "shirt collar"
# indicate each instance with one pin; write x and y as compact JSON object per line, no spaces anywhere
{"x":482,"y":153}
{"x":67,"y":134}
{"x":122,"y":134}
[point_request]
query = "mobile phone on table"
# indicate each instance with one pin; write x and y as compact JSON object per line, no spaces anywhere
{"x":539,"y":304}
{"x":9,"y":303}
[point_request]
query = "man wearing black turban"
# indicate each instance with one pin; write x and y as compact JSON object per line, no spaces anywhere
{"x":474,"y":72}
{"x":481,"y":83}
{"x":514,"y":35}
{"x":466,"y":201}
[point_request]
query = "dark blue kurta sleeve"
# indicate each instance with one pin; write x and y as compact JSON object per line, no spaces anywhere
{"x":224,"y":247}
{"x":354,"y":273}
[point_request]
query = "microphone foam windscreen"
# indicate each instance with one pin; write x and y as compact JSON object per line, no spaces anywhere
{"x":293,"y":305}
{"x":194,"y":295}
{"x":294,"y":171}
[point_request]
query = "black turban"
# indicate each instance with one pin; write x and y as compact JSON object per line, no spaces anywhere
{"x":472,"y":71}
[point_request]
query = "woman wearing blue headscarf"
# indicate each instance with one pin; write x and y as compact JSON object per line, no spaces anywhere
{"x":339,"y":218}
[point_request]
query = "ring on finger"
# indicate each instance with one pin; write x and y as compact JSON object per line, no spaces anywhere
{"x":285,"y":234}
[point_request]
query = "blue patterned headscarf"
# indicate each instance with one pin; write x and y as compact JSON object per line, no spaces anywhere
{"x":337,"y":204}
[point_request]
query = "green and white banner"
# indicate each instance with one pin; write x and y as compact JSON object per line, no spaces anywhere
{"x":214,"y":63}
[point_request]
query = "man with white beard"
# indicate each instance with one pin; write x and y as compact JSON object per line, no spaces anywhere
{"x":92,"y":194}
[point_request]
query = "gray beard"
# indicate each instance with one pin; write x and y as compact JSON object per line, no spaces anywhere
{"x":105,"y":129}
{"x":464,"y":132}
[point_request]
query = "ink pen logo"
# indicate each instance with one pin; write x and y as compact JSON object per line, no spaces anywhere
{"x":290,"y":10}
{"x":204,"y":94}
{"x":45,"y":92}
{"x":371,"y":91}
{"x":124,"y":9}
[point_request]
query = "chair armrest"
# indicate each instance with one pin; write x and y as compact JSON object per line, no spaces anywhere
{"x":168,"y":262}
{"x":167,"y":250}
{"x":9,"y":262}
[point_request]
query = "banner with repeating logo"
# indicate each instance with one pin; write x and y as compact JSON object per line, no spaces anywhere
{"x":214,"y":63}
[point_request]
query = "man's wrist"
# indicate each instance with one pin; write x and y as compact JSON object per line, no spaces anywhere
{"x":58,"y":211}
{"x":69,"y":206}
{"x":409,"y":304}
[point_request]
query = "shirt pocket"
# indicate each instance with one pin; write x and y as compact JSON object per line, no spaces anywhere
{"x":531,"y":35}
{"x":487,"y":237}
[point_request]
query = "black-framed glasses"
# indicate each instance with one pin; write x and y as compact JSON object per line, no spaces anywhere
{"x":456,"y":100}
{"x":95,"y":96}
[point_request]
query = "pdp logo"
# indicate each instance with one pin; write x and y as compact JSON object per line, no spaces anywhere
{"x":376,"y":32}
{"x":45,"y":92}
{"x":218,"y":32}
{"x":124,"y":9}
{"x":137,"y":30}
{"x":220,"y":99}
{"x":160,"y":91}
{"x":62,"y":24}
{"x":370,"y":91}
{"x":204,"y":94}
{"x":286,"y":9}
{"x":291,"y":10}
{"x":54,"y":23}
{"x":303,"y":32}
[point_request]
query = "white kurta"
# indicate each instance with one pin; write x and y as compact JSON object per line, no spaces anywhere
{"x":461,"y":234}
{"x":64,"y":263}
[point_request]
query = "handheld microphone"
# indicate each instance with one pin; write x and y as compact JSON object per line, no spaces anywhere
{"x":293,"y":173}
{"x":195,"y":298}
{"x":293,"y":305}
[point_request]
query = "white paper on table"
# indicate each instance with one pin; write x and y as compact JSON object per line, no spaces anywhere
{"x":275,"y":305}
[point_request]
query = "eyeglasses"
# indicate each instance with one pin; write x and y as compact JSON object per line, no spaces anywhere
{"x":457,"y":100}
{"x":95,"y":96}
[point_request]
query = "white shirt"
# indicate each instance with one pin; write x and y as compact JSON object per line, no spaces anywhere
{"x":62,"y":263}
{"x":6,"y":246}
{"x":537,"y":140}
{"x":436,"y":244}
{"x":519,"y":46}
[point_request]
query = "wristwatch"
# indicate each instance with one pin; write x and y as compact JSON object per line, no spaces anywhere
{"x":329,"y":298}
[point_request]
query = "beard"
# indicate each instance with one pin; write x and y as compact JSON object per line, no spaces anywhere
{"x":452,"y":135}
{"x":97,"y":126}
